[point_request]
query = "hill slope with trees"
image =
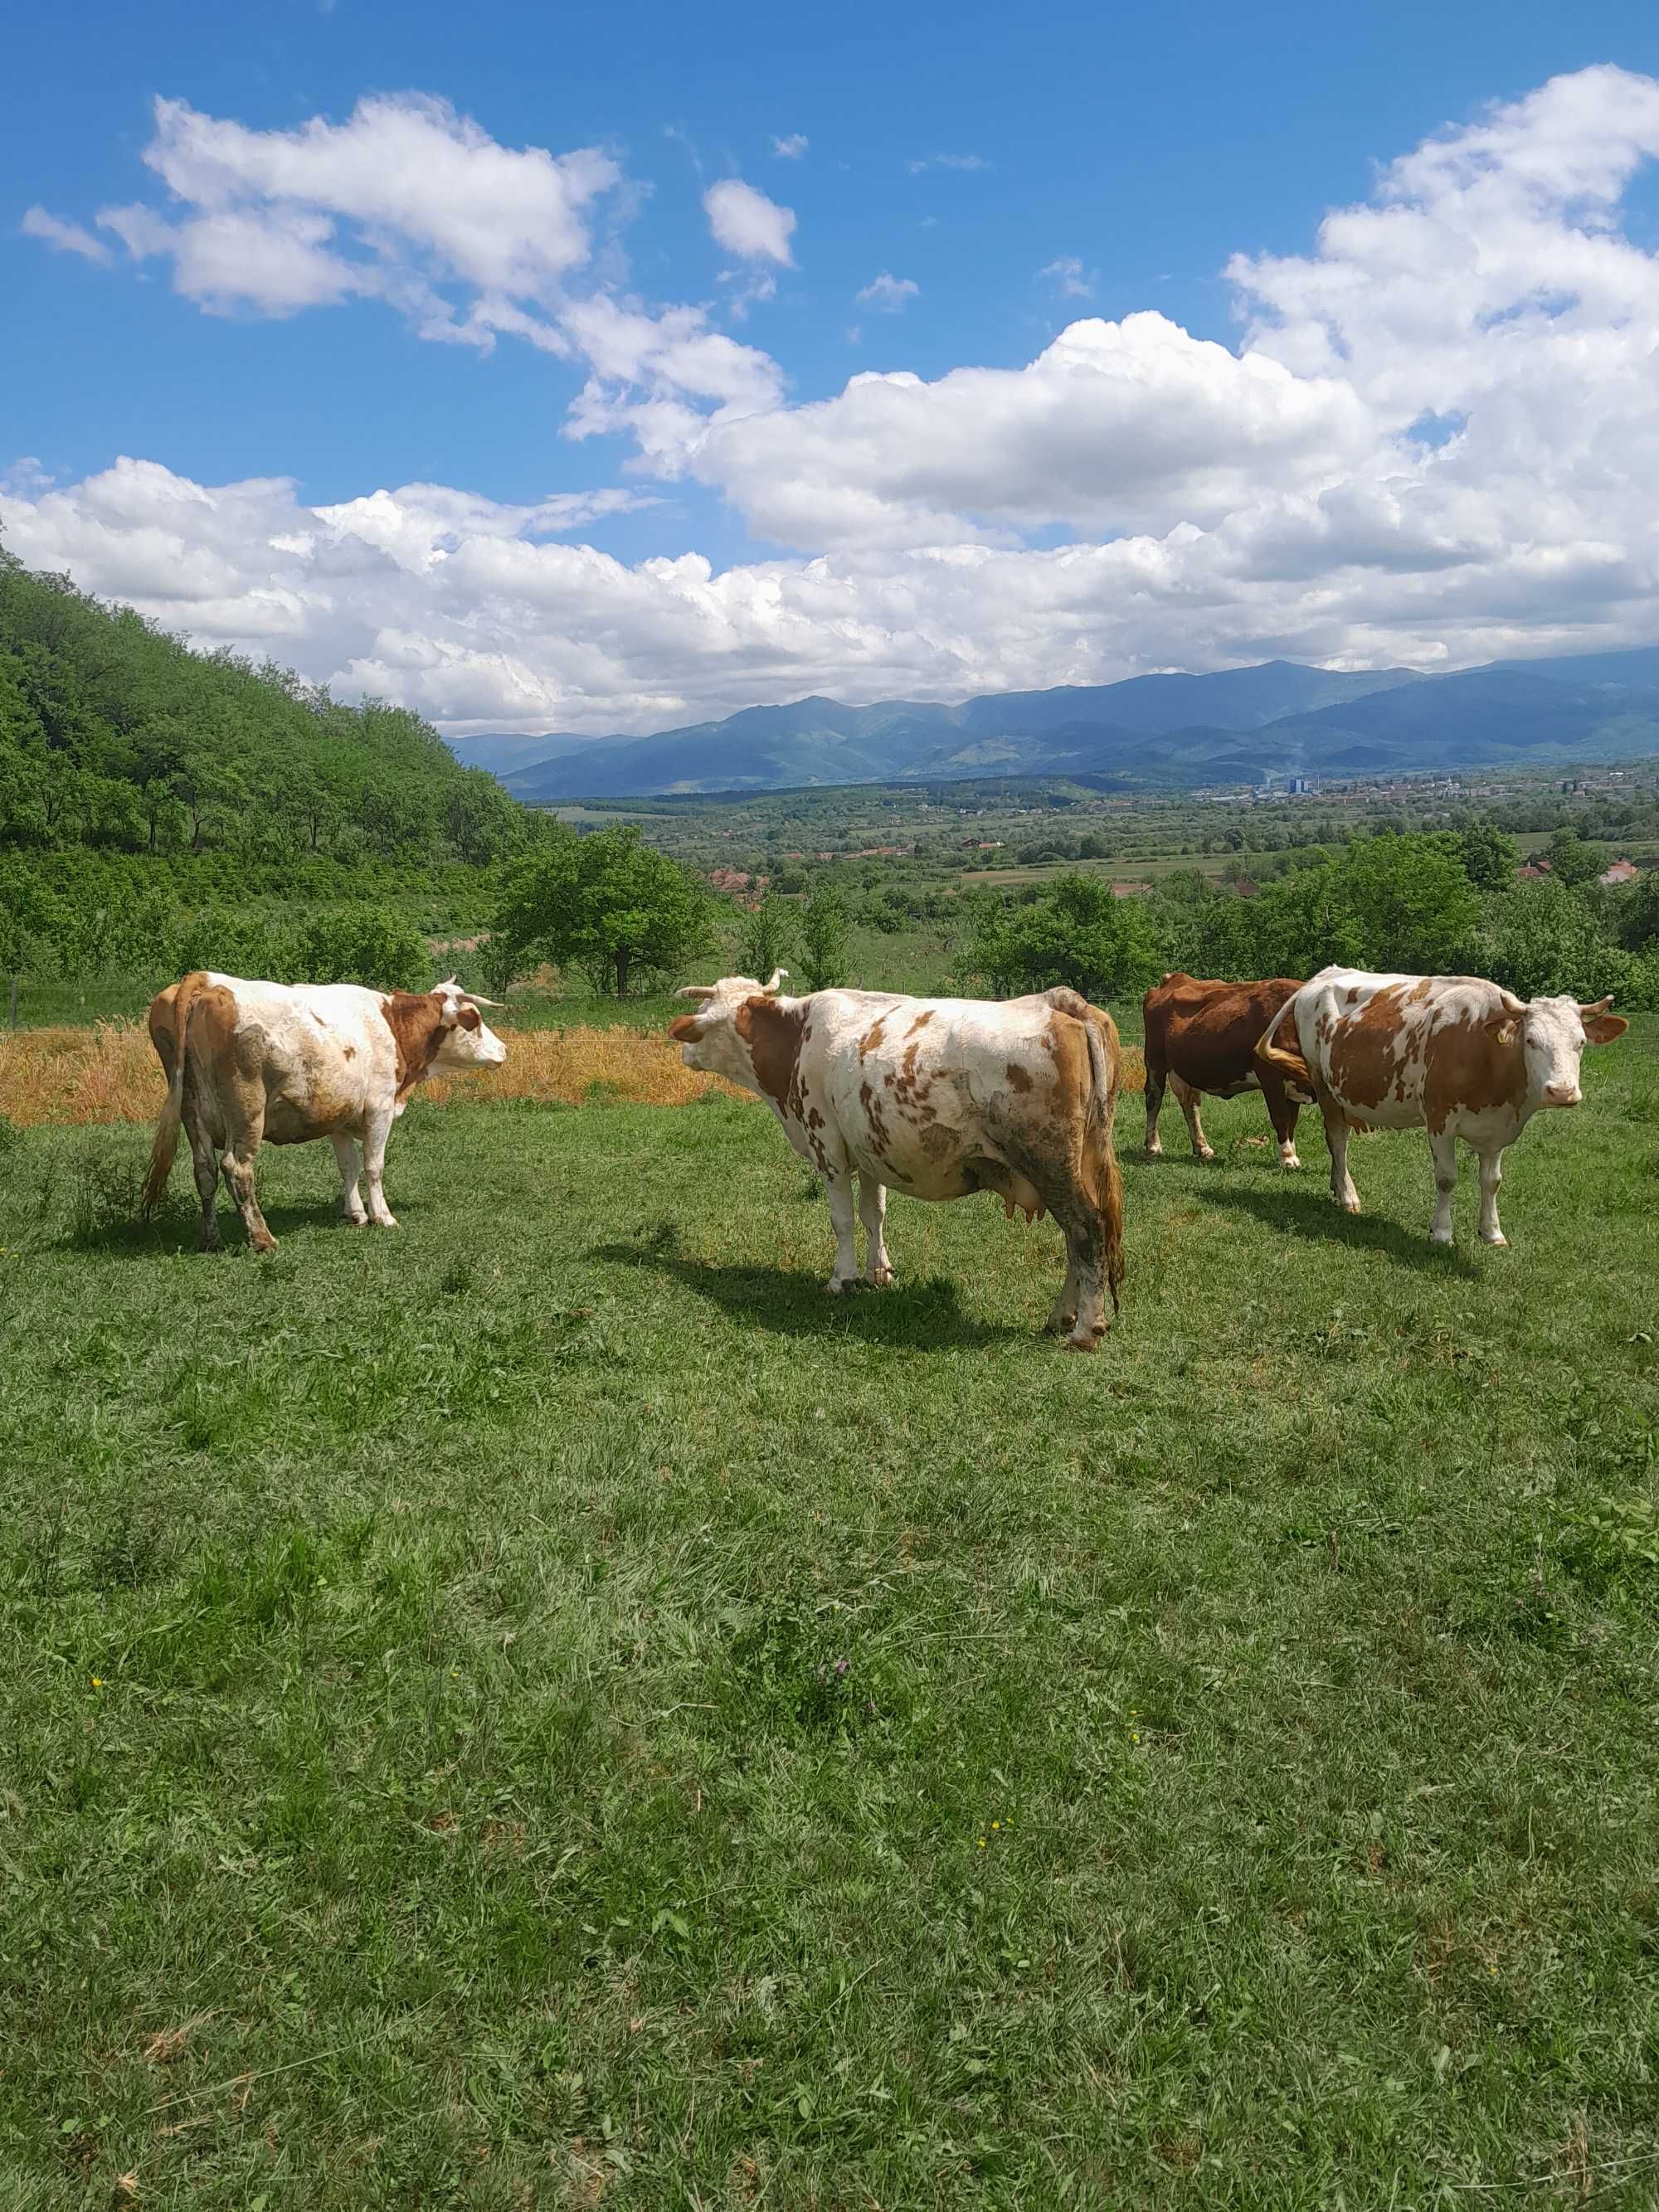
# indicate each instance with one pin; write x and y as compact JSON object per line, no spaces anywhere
{"x":116,"y":738}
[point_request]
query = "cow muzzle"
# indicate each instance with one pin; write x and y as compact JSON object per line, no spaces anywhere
{"x":1562,"y":1094}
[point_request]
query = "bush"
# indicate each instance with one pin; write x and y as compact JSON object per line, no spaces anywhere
{"x":824,"y":941}
{"x":365,"y":944}
{"x":763,"y":936}
{"x":1080,"y":935}
{"x":1542,"y":938}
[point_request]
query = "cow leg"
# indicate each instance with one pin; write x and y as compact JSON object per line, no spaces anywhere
{"x":1188,"y":1099}
{"x":1282,"y":1111}
{"x":1156,"y":1077}
{"x":1062,"y":1314}
{"x":1492,"y":1174}
{"x":1336,"y":1136}
{"x":374,"y":1137}
{"x":1445,"y":1149}
{"x":204,"y":1158}
{"x":872,"y":1213}
{"x":1086,"y":1267}
{"x":238,"y":1164}
{"x":345,"y":1157}
{"x":841,"y":1216}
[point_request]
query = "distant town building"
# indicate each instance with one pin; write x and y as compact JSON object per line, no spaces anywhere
{"x":1533,"y":871}
{"x":1621,"y":871}
{"x":1131,"y":890}
{"x":1298,"y":785}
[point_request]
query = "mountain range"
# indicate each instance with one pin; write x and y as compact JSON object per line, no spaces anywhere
{"x":1239,"y":725}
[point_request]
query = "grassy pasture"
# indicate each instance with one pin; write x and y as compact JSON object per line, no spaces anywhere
{"x":547,"y":1708}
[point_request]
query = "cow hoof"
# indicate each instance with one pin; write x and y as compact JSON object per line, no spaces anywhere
{"x":1349,"y":1204}
{"x":880,"y":1279}
{"x":262,"y":1245}
{"x":1442,"y":1237}
{"x":1291,"y":1161}
{"x":1495,"y":1240}
{"x":1154,"y":1151}
{"x":387,"y":1221}
{"x":354,"y":1221}
{"x":1206,"y":1151}
{"x":834,"y":1289}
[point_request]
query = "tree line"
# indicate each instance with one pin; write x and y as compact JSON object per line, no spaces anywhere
{"x":115,"y":738}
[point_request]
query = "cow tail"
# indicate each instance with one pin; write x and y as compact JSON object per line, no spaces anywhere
{"x":166,"y":1137}
{"x":1281,"y":1061}
{"x":1103,"y":1067}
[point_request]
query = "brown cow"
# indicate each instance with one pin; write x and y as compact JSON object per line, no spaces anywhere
{"x":1201,"y":1037}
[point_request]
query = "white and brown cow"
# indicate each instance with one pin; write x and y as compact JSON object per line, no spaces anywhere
{"x":936,"y":1098}
{"x":278,"y":1063}
{"x":1452,"y":1054}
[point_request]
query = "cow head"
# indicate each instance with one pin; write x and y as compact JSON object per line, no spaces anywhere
{"x":466,"y":1039}
{"x":712,"y":1040}
{"x":1553,"y":1034}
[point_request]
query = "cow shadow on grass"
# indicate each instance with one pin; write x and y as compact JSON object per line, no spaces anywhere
{"x":923,"y":1316}
{"x":1311,"y":1212}
{"x":173,"y":1233}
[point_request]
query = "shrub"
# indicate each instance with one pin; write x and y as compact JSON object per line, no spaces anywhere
{"x":365,"y":944}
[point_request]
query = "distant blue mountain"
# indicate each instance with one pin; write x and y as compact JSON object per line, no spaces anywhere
{"x":1274,"y":719}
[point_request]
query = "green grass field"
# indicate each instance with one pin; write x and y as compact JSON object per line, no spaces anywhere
{"x":548,"y":1708}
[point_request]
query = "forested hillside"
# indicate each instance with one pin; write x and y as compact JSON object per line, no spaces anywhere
{"x":115,"y":738}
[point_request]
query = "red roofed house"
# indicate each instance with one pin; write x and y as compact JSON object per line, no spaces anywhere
{"x":1621,"y":871}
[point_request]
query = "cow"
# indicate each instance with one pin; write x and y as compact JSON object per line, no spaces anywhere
{"x":1201,"y":1037}
{"x":1451,"y":1054}
{"x":935,"y":1098}
{"x":249,"y":1063}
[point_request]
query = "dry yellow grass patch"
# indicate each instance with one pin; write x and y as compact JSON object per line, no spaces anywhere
{"x":110,"y":1073}
{"x":634,"y":1067}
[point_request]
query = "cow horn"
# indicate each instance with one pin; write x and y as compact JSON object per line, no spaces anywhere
{"x":477,"y":999}
{"x":778,"y":975}
{"x":1600,"y":1006}
{"x":694,"y":991}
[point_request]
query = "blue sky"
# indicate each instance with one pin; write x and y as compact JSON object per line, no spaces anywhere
{"x":1100,"y":164}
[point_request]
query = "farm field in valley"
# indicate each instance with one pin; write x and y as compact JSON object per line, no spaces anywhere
{"x":547,"y":1708}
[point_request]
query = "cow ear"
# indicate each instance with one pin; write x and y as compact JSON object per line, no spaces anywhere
{"x":1602,"y":1029}
{"x":686,"y":1029}
{"x":1501,"y":1024}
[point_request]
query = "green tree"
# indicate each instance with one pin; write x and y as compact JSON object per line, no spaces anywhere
{"x":1413,"y":905}
{"x":1489,"y":857}
{"x":824,"y":944}
{"x":1572,"y":860}
{"x":763,"y":938}
{"x":1080,"y":935}
{"x":1543,"y":938}
{"x":608,"y":904}
{"x":365,"y":944}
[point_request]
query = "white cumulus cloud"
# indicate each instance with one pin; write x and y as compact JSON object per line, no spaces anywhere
{"x":792,"y":148}
{"x":1433,"y":440}
{"x":746,"y":223}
